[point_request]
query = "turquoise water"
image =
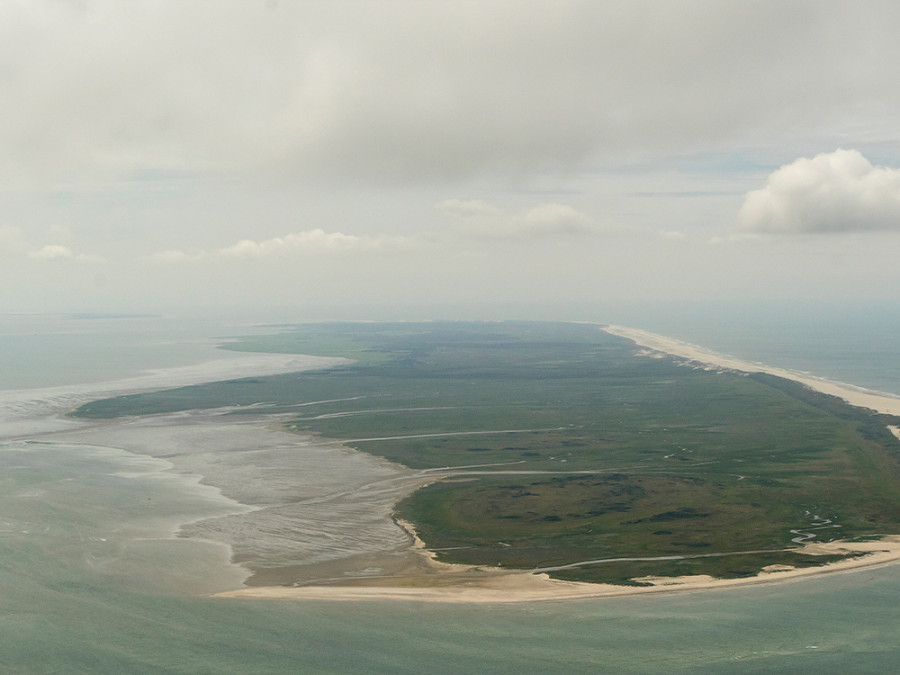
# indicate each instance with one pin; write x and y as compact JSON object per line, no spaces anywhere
{"x":92,"y":580}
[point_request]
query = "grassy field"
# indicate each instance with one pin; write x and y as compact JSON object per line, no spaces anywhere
{"x":562,"y":446}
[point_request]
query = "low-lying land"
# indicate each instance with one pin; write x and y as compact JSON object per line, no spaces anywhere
{"x":558,"y":448}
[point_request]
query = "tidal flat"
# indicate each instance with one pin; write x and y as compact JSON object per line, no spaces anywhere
{"x":550,"y":447}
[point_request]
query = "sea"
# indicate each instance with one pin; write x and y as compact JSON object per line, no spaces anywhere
{"x":95,"y":579}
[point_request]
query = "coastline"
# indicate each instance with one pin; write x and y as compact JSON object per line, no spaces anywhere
{"x":856,"y":396}
{"x":453,"y":583}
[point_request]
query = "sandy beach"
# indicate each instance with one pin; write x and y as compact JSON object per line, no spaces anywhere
{"x":464,"y":584}
{"x":433,"y":581}
{"x":663,"y":345}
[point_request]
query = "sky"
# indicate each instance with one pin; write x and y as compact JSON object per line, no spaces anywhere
{"x":485,"y":159}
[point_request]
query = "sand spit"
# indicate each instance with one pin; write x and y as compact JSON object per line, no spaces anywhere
{"x":856,"y":396}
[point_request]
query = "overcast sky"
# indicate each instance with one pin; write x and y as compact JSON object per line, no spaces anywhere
{"x":528,"y":158}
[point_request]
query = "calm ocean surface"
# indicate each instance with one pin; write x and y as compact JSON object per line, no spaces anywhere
{"x":92,"y":580}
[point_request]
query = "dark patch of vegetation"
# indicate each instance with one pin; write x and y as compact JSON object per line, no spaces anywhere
{"x":686,"y":512}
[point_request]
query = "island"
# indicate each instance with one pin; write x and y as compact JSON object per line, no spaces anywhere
{"x":552,"y":460}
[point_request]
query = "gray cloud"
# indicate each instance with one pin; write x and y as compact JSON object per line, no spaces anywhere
{"x":832,"y":192}
{"x":408,"y":91}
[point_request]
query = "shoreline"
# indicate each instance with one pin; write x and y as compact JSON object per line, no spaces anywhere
{"x":855,"y":396}
{"x":454,"y":583}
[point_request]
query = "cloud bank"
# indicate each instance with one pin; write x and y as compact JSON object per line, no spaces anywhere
{"x":405,"y":91}
{"x":832,"y":192}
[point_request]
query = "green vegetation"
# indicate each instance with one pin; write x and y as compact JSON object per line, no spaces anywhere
{"x":566,"y":447}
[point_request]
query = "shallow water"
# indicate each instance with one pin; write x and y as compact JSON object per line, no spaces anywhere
{"x":111,"y":516}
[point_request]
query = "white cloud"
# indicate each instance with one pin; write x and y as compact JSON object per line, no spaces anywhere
{"x":672,"y":235}
{"x":13,"y":244}
{"x":832,"y":192}
{"x":299,"y":243}
{"x":52,"y":252}
{"x":477,"y":219}
{"x":59,"y":252}
{"x":311,"y":240}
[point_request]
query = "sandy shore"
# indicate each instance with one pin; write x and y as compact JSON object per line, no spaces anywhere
{"x":853,"y":395}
